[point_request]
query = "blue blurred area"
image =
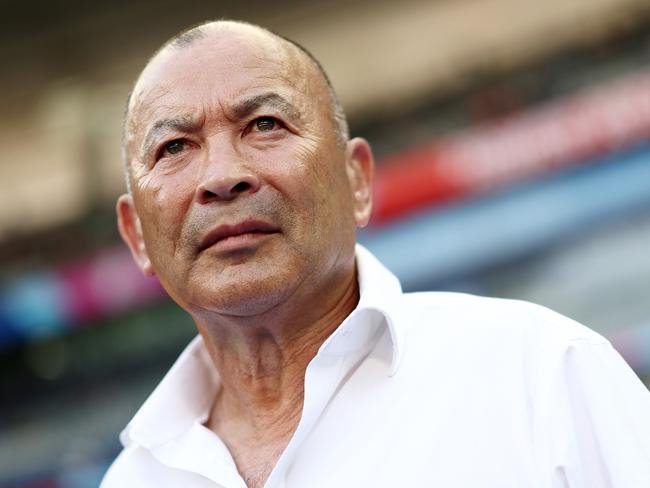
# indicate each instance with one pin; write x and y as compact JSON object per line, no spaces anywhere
{"x":433,"y":246}
{"x":31,"y":308}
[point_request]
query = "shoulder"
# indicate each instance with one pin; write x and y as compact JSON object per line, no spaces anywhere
{"x":464,"y":314}
{"x":510,"y":345}
{"x":134,"y":466}
{"x":487,"y":330}
{"x":528,"y":368}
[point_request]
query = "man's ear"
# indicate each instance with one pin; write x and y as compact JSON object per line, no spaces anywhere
{"x":360,"y":166}
{"x":128,"y":223}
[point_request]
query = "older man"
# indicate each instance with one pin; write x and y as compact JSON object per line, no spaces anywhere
{"x":311,"y":367}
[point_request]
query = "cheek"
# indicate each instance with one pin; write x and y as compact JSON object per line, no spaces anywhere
{"x":316,"y":181}
{"x":166,"y":199}
{"x":300,"y":175}
{"x":328,"y":179}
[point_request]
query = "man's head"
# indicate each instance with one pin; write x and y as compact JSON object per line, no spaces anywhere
{"x":186,"y":37}
{"x":245,"y":189}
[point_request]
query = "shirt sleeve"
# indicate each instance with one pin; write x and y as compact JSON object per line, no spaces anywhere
{"x":601,"y":421}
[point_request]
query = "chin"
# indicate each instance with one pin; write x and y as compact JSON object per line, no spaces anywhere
{"x":243,"y":294}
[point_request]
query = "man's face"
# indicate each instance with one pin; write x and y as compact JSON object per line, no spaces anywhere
{"x":242,"y":195}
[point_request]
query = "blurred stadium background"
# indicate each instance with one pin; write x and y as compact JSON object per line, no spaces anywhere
{"x":513,"y":141}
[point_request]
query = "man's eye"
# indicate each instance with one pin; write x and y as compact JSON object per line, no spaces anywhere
{"x":174,"y":147}
{"x":265,"y":124}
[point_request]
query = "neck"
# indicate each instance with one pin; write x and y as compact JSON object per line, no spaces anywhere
{"x":262,"y":361}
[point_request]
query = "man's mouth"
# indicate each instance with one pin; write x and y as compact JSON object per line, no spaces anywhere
{"x":232,"y":237}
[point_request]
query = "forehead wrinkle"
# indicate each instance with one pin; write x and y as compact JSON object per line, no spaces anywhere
{"x":301,"y":72}
{"x":144,"y":102}
{"x":142,"y":106}
{"x":246,"y":106}
{"x":292,"y":67}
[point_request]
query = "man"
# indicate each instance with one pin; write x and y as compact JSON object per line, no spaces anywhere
{"x":311,"y":367}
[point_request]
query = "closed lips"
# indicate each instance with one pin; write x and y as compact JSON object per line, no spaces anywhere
{"x":247,"y":227}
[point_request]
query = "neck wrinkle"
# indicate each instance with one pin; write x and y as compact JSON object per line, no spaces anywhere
{"x":262,"y":363}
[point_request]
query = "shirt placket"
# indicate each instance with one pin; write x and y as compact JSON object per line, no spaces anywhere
{"x":321,"y":379}
{"x":324,"y":373}
{"x":201,"y":452}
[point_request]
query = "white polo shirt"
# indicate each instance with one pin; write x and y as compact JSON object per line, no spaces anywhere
{"x":420,"y":390}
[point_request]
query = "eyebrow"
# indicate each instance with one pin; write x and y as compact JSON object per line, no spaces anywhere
{"x":181,"y":123}
{"x":245,"y":107}
{"x":241,"y":109}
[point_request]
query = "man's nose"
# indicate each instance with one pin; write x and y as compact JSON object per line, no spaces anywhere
{"x":225,"y":178}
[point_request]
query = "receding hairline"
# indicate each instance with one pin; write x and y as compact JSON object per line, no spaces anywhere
{"x":189,"y":36}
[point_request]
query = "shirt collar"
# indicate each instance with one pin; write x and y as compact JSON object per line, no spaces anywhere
{"x":186,"y":393}
{"x":378,"y":307}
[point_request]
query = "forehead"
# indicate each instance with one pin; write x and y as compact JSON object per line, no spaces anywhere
{"x":219,"y":68}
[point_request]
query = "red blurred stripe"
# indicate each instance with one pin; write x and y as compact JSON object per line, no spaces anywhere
{"x":556,"y":135}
